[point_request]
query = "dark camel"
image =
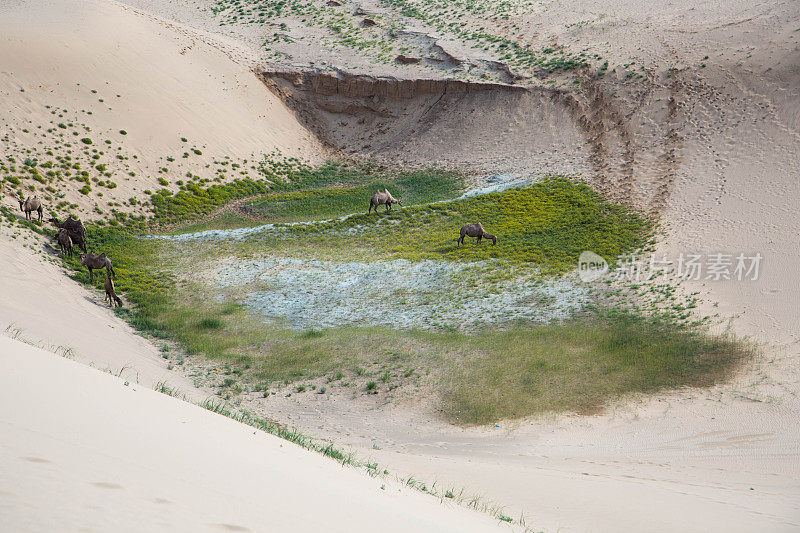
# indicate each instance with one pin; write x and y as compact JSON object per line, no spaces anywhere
{"x":64,"y":242}
{"x":76,"y":230}
{"x":94,"y":261}
{"x":111,"y":295}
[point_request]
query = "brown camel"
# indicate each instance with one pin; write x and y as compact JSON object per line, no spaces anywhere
{"x":382,"y":198}
{"x":64,"y":241}
{"x":111,"y":295}
{"x":75,"y":228}
{"x":30,"y":205}
{"x":94,"y":261}
{"x":475,"y":230}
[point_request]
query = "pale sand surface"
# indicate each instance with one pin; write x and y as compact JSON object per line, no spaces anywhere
{"x":82,"y":451}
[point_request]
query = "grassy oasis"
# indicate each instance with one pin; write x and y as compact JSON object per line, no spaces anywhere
{"x":479,"y":376}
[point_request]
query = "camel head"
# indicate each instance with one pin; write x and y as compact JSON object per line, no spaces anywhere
{"x":494,"y":239}
{"x":21,"y":201}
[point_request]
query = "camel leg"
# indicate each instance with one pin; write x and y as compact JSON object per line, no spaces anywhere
{"x":479,"y":239}
{"x":91,"y":275}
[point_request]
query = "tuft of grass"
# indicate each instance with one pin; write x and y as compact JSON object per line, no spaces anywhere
{"x":210,"y":323}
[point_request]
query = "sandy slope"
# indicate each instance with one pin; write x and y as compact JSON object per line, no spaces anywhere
{"x":49,"y":308}
{"x":82,"y":451}
{"x":150,"y":79}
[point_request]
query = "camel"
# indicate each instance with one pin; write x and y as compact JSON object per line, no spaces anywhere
{"x":475,"y":230}
{"x":64,"y":241}
{"x":92,"y":261}
{"x":111,"y":295}
{"x":75,"y":228}
{"x":30,"y":205}
{"x":384,"y":198}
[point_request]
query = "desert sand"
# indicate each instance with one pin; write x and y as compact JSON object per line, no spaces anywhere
{"x":87,"y":451}
{"x":720,"y":165}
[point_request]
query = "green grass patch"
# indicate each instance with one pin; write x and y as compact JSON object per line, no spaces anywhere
{"x":315,"y":191}
{"x":548,"y":224}
{"x":581,"y":366}
{"x":344,"y":196}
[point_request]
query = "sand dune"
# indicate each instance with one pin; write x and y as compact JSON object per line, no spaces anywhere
{"x":85,"y":451}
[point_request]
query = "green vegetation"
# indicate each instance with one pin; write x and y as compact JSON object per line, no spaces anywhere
{"x":582,"y":365}
{"x":579,"y":366}
{"x":293,"y":191}
{"x":343,"y":198}
{"x":523,"y":370}
{"x":549,"y":223}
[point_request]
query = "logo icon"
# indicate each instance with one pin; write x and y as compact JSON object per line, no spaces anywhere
{"x":591,"y":266}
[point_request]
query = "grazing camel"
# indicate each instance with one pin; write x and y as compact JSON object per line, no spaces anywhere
{"x":92,"y":261}
{"x":75,"y":228}
{"x":30,"y":205}
{"x":64,"y":241}
{"x":111,"y":295}
{"x":384,"y":198}
{"x":475,"y":230}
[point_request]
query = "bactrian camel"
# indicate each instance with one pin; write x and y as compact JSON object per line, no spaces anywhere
{"x":64,"y":242}
{"x":475,"y":230}
{"x":382,"y":198}
{"x":30,"y":205}
{"x":111,"y":295}
{"x":76,"y":230}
